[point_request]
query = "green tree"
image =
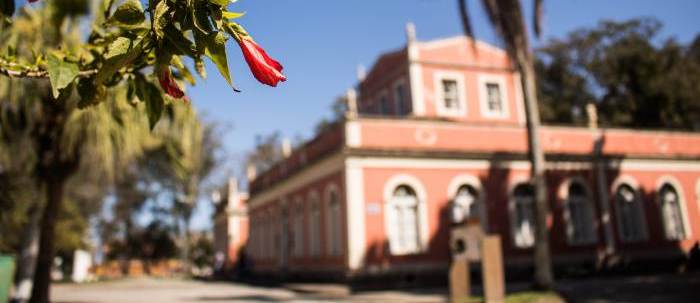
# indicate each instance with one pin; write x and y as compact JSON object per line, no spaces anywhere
{"x":508,"y":19}
{"x":634,"y":80}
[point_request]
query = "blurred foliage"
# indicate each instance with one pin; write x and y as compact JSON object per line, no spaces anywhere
{"x":635,"y":78}
{"x":127,"y":44}
{"x":202,"y":251}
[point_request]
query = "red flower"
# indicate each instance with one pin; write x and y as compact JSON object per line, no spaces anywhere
{"x":165,"y":77}
{"x":264,"y":68}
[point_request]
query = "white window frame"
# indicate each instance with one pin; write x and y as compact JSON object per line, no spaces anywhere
{"x":512,"y":212}
{"x":384,"y":94}
{"x":298,"y":227}
{"x":590,"y":212}
{"x":422,"y":216}
{"x":334,"y":231}
{"x":440,"y":108}
{"x":406,"y":102}
{"x":485,"y":79}
{"x":641,"y":224}
{"x":471,"y":180}
{"x":687,"y":231}
{"x":314,"y":224}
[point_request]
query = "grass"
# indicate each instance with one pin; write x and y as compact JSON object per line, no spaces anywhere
{"x":525,"y":297}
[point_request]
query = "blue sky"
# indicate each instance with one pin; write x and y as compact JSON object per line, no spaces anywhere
{"x":321,"y":43}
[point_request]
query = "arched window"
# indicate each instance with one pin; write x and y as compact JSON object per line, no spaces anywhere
{"x":630,"y":215}
{"x":579,"y":212}
{"x":334,"y":234}
{"x":523,"y":215}
{"x":466,"y":204}
{"x":671,"y":212}
{"x":314,"y":226}
{"x":298,"y":240}
{"x":404,"y":222}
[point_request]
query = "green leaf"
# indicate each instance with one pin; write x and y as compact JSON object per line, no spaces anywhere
{"x":149,"y":93}
{"x":118,"y":47}
{"x":222,"y":3}
{"x":130,"y":12}
{"x":216,"y":51}
{"x":180,"y":41}
{"x":160,"y":18}
{"x":113,"y":64}
{"x":232,"y":15}
{"x":61,"y":73}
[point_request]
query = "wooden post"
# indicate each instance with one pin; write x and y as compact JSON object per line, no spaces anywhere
{"x":492,"y":269}
{"x":459,"y":280}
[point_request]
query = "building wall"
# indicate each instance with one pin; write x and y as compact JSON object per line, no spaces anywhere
{"x":496,"y":182}
{"x":270,"y":214}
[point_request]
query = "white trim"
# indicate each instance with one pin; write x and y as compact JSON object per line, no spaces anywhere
{"x":668,"y":179}
{"x":473,"y":181}
{"x":630,"y":181}
{"x":353,"y":134}
{"x":315,"y":247}
{"x":394,"y":87}
{"x":515,"y":182}
{"x":326,"y":166}
{"x":331,"y":222}
{"x":438,"y":91}
{"x":379,"y":162}
{"x":438,"y":43}
{"x":563,"y":195}
{"x":500,"y":80}
{"x":656,"y":165}
{"x":355,"y":215}
{"x":415,"y":75}
{"x":519,"y":100}
{"x":389,"y":186}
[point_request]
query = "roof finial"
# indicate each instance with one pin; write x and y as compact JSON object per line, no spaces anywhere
{"x":410,"y":32}
{"x":361,"y":72}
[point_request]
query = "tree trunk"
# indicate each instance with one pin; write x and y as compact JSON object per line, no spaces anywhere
{"x":544,"y":279}
{"x":26,"y":264}
{"x":42,"y":276}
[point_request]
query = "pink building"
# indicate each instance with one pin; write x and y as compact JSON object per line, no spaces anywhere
{"x":230,"y":226}
{"x":438,"y":132}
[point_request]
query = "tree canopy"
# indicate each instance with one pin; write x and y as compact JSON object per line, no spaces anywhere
{"x":635,"y":77}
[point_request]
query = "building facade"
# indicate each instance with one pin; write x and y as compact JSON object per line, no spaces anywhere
{"x":230,"y":226}
{"x":437,"y":132}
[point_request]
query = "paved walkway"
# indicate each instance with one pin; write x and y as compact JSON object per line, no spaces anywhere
{"x":166,"y":291}
{"x":659,"y":288}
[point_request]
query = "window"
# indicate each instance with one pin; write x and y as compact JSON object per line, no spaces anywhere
{"x":523,"y":215}
{"x":493,"y":97}
{"x":403,"y":220}
{"x":400,"y":99}
{"x":334,"y":235}
{"x":580,"y":224}
{"x":465,"y":204}
{"x":298,"y":240}
{"x":314,"y":226}
{"x":671,"y":212}
{"x":384,"y":105}
{"x":450,"y":94}
{"x":630,"y":215}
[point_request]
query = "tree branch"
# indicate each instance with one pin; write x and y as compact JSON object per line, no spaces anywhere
{"x":6,"y":68}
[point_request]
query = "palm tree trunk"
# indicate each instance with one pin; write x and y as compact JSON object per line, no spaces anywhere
{"x":42,"y":275}
{"x":544,"y":278}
